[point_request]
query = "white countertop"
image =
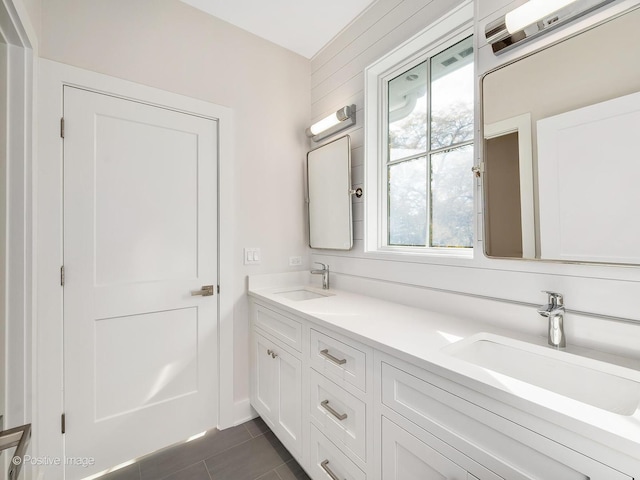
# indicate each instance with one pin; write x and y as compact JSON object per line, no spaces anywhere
{"x":420,"y":335}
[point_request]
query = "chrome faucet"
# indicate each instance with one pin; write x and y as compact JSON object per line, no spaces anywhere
{"x":554,"y":311}
{"x":325,"y":275}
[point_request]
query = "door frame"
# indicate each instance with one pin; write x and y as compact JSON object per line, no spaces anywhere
{"x":53,"y":76}
{"x":20,"y":39}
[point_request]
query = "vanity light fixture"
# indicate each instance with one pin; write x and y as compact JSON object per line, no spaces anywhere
{"x":343,"y":118}
{"x":534,"y":18}
{"x":531,"y":12}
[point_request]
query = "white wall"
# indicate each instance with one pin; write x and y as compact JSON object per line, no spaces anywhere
{"x":500,"y":291}
{"x":169,"y":45}
{"x":33,"y":10}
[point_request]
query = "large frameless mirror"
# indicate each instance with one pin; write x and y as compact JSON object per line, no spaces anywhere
{"x":561,"y":161}
{"x":329,"y":188}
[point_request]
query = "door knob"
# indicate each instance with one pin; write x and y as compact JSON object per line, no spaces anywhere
{"x":205,"y":291}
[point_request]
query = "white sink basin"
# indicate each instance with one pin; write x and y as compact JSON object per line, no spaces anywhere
{"x":599,"y":384}
{"x":302,"y":294}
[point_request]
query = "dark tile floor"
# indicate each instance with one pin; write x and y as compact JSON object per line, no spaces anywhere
{"x":247,"y":452}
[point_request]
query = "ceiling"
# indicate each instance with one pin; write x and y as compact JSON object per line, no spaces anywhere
{"x":302,"y":26}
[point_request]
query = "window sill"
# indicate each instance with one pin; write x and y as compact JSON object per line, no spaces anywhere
{"x":442,"y":256}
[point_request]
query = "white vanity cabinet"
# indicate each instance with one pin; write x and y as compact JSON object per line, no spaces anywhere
{"x":276,"y":385}
{"x":351,"y":411}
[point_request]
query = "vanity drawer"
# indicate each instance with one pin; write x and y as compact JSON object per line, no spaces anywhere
{"x":501,"y":445}
{"x":339,"y":415}
{"x":419,"y":456}
{"x":326,"y":460}
{"x":339,"y":361}
{"x":285,"y":329}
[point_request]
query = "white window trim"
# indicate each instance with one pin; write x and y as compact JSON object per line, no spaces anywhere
{"x":454,"y":26}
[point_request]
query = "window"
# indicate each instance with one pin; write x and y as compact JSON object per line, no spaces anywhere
{"x":422,"y":139}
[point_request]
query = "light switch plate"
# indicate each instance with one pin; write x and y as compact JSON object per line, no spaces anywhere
{"x":252,"y":256}
{"x":294,"y":261}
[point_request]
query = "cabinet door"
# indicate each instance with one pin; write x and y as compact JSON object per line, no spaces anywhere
{"x":405,"y":457}
{"x":289,"y":394}
{"x":264,"y":380}
{"x":276,"y":386}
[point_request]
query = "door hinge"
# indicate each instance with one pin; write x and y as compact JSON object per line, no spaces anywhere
{"x":218,"y":289}
{"x":63,"y":423}
{"x":62,"y":275}
{"x":62,"y":127}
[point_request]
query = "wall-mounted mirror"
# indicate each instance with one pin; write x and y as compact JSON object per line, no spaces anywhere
{"x":329,"y":187}
{"x":561,"y":161}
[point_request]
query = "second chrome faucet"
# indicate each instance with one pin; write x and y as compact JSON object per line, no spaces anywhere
{"x":325,"y":274}
{"x":554,"y":311}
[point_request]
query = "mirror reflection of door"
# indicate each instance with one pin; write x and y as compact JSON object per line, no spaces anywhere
{"x":508,"y":189}
{"x":503,"y":197}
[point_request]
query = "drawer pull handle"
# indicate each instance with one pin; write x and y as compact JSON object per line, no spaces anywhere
{"x":340,"y":416}
{"x":325,"y":467}
{"x":272,"y":353}
{"x":335,"y":360}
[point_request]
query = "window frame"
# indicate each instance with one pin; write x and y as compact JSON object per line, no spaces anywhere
{"x":444,"y":32}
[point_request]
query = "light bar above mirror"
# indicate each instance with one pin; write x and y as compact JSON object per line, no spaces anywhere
{"x":535,"y":18}
{"x":334,"y":123}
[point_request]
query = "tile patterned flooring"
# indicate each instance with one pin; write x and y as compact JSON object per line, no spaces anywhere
{"x":247,"y":452}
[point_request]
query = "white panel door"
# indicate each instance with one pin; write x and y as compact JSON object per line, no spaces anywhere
{"x":140,"y":234}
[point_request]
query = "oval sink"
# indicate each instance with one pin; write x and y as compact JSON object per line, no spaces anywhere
{"x":596,"y":383}
{"x":302,"y":294}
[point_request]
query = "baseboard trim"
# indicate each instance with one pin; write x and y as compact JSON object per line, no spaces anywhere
{"x":243,"y":411}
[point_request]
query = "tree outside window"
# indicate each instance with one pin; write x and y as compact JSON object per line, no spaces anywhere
{"x":430,"y":112}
